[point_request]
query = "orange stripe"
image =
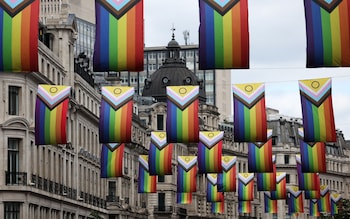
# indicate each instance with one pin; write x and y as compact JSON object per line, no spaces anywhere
{"x":236,"y":32}
{"x":25,"y":38}
{"x":344,"y":32}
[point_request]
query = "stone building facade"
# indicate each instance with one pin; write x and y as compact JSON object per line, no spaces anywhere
{"x":63,"y":181}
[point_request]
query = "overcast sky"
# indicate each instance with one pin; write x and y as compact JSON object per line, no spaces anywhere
{"x":277,"y":51}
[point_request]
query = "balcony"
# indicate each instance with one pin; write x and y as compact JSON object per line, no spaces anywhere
{"x":16,"y":178}
{"x":161,"y":209}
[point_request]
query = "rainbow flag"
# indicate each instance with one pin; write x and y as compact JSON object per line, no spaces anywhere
{"x":184,"y":198}
{"x":223,"y":34}
{"x":218,"y":207}
{"x":119,"y":44}
{"x":245,"y":186}
{"x":227,"y":179}
{"x":328,"y":33}
{"x":313,"y":155}
{"x":244,"y":207}
{"x":306,"y":181}
{"x":270,"y":205}
{"x":312,"y":194}
{"x":335,"y":198}
{"x":317,"y":110}
{"x":295,"y":200}
{"x":116,"y":114}
{"x":112,"y":160}
{"x":313,"y":208}
{"x":19,"y":21}
{"x":210,"y":152}
{"x":249,"y":113}
{"x":51,"y":114}
{"x":324,"y":203}
{"x":182,"y":124}
{"x":281,"y":187}
{"x":213,"y":195}
{"x":260,"y":155}
{"x":186,"y":173}
{"x":267,"y":181}
{"x":160,"y":154}
{"x":146,"y":182}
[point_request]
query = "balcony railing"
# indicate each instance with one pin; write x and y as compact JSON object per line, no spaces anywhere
{"x":161,"y":209}
{"x":16,"y":178}
{"x":20,"y":179}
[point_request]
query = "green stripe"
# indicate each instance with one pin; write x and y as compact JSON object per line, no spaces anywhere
{"x":7,"y":43}
{"x":47,"y":125}
{"x":111,"y":124}
{"x":179,"y":124}
{"x":327,"y":37}
{"x":247,"y":134}
{"x":113,"y":42}
{"x":219,"y":44}
{"x":316,"y":122}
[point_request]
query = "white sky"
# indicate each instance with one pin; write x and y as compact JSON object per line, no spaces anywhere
{"x":277,"y":51}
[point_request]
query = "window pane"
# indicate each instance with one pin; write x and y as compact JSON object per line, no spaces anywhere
{"x":13,"y":100}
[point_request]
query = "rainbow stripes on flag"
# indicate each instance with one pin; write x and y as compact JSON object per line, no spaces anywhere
{"x":249,"y":112}
{"x":281,"y":187}
{"x":313,"y":155}
{"x":19,"y":35}
{"x":146,"y":182}
{"x":260,"y":155}
{"x":119,"y":44}
{"x":317,"y":110}
{"x":324,"y":203}
{"x":328,"y":33}
{"x":218,"y":207}
{"x":182,"y":124}
{"x":184,"y":198}
{"x":312,"y":194}
{"x":112,"y":160}
{"x":270,"y":205}
{"x":50,"y":114}
{"x":223,"y":34}
{"x":295,"y":200}
{"x":267,"y":181}
{"x":335,"y":198}
{"x":313,"y":208}
{"x":245,"y":186}
{"x":306,"y":181}
{"x":244,"y":207}
{"x":213,"y":195}
{"x":186,"y":173}
{"x":210,"y":152}
{"x":227,"y":179}
{"x":116,"y":114}
{"x":160,"y":154}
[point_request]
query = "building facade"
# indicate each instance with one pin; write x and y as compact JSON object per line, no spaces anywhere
{"x":63,"y":181}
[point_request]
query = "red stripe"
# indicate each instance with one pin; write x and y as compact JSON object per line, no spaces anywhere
{"x":139,"y":40}
{"x":34,"y":26}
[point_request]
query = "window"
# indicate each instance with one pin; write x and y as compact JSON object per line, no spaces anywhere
{"x":161,"y":178}
{"x":14,"y":100}
{"x":112,"y":188}
{"x":287,"y":178}
{"x":160,"y":122}
{"x":13,"y":160}
{"x":161,"y":201}
{"x":286,"y":159}
{"x":12,"y":210}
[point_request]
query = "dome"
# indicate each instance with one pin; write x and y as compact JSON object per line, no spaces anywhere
{"x":173,"y":73}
